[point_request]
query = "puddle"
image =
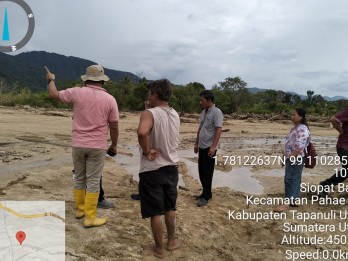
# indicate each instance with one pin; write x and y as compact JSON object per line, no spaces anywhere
{"x":132,"y":163}
{"x":23,"y":166}
{"x":239,"y":179}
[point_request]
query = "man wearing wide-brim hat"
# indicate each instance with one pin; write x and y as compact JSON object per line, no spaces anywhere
{"x":95,"y":111}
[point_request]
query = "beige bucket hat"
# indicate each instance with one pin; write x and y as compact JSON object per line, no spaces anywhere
{"x":95,"y":73}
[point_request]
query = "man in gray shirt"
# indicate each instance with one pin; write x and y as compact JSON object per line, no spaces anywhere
{"x":208,"y":136}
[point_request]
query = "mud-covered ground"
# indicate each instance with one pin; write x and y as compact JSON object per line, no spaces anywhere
{"x":35,"y":164}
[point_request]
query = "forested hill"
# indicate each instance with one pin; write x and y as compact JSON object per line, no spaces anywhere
{"x":22,"y":81}
{"x":18,"y":72}
{"x":26,"y":69}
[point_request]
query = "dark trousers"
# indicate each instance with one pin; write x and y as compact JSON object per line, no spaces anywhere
{"x":206,"y":171}
{"x":340,"y":176}
{"x":101,"y":192}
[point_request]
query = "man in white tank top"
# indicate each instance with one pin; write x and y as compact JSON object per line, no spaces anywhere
{"x":158,"y":135}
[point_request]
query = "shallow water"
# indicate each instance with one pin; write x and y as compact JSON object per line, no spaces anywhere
{"x":239,"y":179}
{"x":26,"y":165}
{"x":132,"y":163}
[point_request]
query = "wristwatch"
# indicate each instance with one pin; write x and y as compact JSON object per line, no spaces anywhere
{"x":50,"y":80}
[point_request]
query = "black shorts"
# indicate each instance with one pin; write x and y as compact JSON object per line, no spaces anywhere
{"x":158,"y":191}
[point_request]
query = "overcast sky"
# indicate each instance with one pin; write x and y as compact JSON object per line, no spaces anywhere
{"x":292,"y":45}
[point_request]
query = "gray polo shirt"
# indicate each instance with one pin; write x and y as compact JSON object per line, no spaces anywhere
{"x":208,"y":123}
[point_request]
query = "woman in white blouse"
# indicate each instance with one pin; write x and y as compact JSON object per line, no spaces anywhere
{"x":295,"y":144}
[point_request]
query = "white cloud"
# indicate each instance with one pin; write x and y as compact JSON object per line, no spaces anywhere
{"x":289,"y":45}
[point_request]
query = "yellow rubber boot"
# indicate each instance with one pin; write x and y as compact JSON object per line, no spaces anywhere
{"x":79,"y":195}
{"x":91,"y":202}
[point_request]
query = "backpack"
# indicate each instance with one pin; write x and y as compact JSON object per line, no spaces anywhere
{"x":310,"y":156}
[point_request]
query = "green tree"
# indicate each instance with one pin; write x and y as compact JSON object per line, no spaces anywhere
{"x":186,"y":98}
{"x":309,"y":97}
{"x":232,"y":84}
{"x":238,"y":96}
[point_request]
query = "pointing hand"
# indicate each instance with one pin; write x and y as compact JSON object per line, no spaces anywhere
{"x":49,"y":75}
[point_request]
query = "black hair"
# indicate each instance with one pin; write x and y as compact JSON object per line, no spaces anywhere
{"x":162,"y":88}
{"x":302,"y":113}
{"x":92,"y":82}
{"x":208,"y":95}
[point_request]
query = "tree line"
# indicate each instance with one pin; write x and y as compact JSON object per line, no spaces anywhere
{"x":231,"y":96}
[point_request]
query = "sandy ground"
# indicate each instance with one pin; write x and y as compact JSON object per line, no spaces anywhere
{"x":35,"y":164}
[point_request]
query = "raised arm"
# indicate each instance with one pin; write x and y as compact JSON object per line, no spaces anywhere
{"x":52,"y":89}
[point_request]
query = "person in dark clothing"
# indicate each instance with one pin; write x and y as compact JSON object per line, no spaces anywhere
{"x":208,"y":136}
{"x":340,"y":123}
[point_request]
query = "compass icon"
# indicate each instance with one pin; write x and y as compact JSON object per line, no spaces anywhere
{"x":7,"y":7}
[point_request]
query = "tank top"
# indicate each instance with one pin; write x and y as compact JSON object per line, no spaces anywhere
{"x":164,"y":137}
